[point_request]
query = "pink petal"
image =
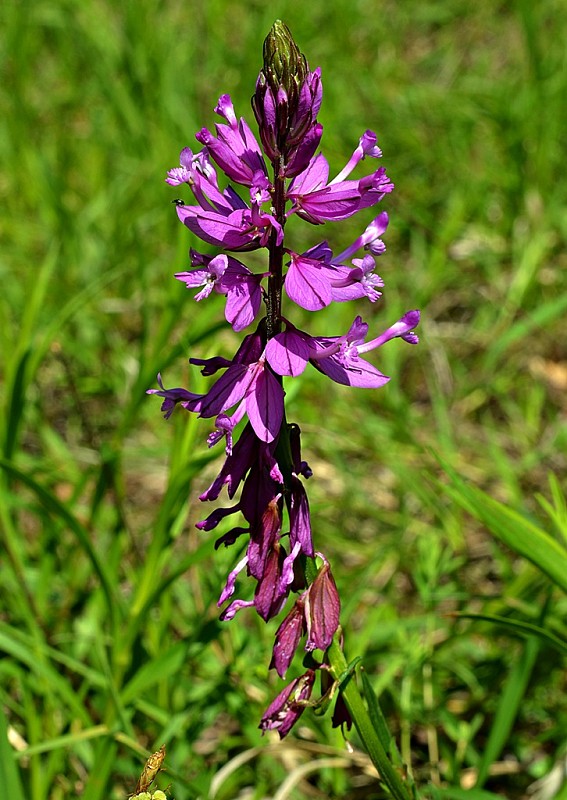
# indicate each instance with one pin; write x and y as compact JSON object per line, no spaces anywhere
{"x":287,"y":353}
{"x":264,"y":406}
{"x":307,"y":285}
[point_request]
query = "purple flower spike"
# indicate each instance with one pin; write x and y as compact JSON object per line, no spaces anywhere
{"x":283,"y":173}
{"x":289,"y":705}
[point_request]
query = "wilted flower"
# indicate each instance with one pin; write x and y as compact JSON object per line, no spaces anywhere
{"x":282,"y":714}
{"x":322,"y":609}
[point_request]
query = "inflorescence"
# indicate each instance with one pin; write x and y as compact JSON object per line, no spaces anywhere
{"x":265,"y":462}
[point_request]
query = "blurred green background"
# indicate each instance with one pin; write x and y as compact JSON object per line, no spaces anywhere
{"x":441,"y":493}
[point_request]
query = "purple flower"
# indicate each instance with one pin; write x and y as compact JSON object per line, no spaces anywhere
{"x":316,"y":199}
{"x":316,"y":612}
{"x":236,"y":228}
{"x":316,"y":278}
{"x":172,"y":397}
{"x":337,"y":356}
{"x":230,"y":277}
{"x":250,"y":380}
{"x":209,"y":277}
{"x":282,"y":714}
{"x":235,"y":150}
{"x":221,"y":217}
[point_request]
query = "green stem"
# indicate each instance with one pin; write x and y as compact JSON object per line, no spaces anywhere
{"x":388,"y":774}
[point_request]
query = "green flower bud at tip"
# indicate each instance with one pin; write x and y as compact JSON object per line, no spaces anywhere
{"x":284,"y":64}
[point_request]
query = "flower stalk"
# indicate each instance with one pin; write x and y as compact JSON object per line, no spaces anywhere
{"x":263,"y":464}
{"x":276,"y":254}
{"x":389,"y":775}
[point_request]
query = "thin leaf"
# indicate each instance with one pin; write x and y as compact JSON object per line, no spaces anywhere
{"x":456,"y":793}
{"x":511,"y":528}
{"x":375,"y":712}
{"x":162,"y":666}
{"x":61,"y":742}
{"x":523,"y":628}
{"x":10,"y":780}
{"x":50,"y":679}
{"x":508,"y":707}
{"x":54,"y":506}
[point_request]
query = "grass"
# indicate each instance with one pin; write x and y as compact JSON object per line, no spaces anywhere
{"x":439,"y":499}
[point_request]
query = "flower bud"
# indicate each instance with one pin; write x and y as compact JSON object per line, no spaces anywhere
{"x":285,"y":66}
{"x":287,"y":97}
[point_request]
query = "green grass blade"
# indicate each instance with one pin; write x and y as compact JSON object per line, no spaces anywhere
{"x":523,"y":628}
{"x":16,"y":403}
{"x":55,"y":507}
{"x":375,"y":712}
{"x":103,"y":763}
{"x":456,"y":793}
{"x":10,"y":780}
{"x":61,"y":742}
{"x":93,"y":677}
{"x":557,"y":510}
{"x":508,"y":707}
{"x":511,"y":528}
{"x":160,"y":668}
{"x":546,"y":314}
{"x":49,"y":679}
